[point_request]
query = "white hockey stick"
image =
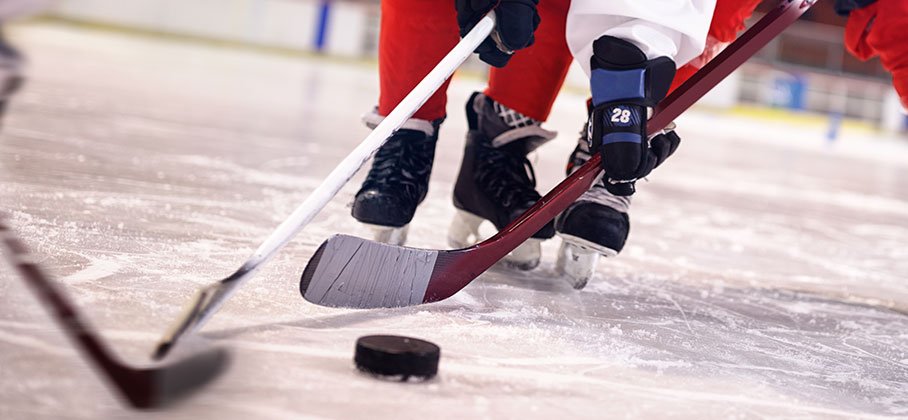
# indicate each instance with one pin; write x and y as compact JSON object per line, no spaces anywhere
{"x":210,"y":298}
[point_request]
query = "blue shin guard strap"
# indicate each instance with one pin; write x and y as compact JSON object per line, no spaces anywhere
{"x":617,"y":85}
{"x":619,"y":137}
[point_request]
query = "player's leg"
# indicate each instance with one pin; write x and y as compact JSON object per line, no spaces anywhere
{"x":415,"y":36}
{"x":496,"y":181}
{"x":531,"y":81}
{"x":630,"y":51}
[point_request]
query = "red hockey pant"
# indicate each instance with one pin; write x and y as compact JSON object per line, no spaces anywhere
{"x":416,"y":34}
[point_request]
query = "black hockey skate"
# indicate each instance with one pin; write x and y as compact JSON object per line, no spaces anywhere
{"x":398,"y":181}
{"x":625,"y":85}
{"x":596,"y":224}
{"x":496,"y":181}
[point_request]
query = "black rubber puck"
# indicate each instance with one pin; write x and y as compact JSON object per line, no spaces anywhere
{"x":397,"y":358}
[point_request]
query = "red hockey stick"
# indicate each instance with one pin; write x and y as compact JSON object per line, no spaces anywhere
{"x":149,"y":387}
{"x":352,"y":272}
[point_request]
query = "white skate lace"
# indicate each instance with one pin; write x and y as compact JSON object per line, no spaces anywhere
{"x":522,"y":127}
{"x":512,"y":118}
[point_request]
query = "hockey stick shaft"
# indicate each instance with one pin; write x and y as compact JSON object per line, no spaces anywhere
{"x":141,"y":387}
{"x":60,"y":308}
{"x":358,"y":157}
{"x":209,"y":299}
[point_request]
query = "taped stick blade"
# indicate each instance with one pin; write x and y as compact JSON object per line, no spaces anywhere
{"x":352,"y":272}
{"x":206,"y":301}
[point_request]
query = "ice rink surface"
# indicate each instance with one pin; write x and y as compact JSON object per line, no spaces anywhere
{"x":765,"y":274}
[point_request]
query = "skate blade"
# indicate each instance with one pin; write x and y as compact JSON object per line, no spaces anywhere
{"x":578,"y":258}
{"x":526,"y":256}
{"x":389,"y":234}
{"x":464,"y":230}
{"x":464,"y":233}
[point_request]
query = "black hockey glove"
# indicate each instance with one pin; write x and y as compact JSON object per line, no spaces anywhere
{"x":625,"y":86}
{"x":516,"y":20}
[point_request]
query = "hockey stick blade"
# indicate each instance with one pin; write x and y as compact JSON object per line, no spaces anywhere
{"x":209,"y":299}
{"x":358,"y":273}
{"x":146,"y":388}
{"x":205,"y":303}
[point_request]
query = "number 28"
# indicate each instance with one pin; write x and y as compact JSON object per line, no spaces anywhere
{"x":621,"y":115}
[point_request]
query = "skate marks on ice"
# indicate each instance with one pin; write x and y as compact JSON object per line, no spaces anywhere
{"x":653,"y":338}
{"x":642,"y":343}
{"x":817,"y":351}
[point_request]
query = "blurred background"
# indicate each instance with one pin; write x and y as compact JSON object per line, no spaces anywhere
{"x":805,"y":74}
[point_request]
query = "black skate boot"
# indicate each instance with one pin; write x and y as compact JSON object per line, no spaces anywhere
{"x":596,"y":224}
{"x":496,"y":181}
{"x":625,"y":86}
{"x":398,"y":180}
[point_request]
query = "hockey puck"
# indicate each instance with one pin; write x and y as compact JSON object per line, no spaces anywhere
{"x":394,"y":357}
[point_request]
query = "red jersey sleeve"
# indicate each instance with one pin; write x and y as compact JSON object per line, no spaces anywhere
{"x":880,"y":30}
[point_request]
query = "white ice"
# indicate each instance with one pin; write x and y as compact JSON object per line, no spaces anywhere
{"x":764,"y":276}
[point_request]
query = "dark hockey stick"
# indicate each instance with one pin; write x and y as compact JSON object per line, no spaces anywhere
{"x":352,"y":272}
{"x":142,"y":387}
